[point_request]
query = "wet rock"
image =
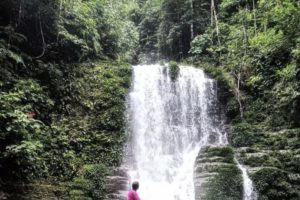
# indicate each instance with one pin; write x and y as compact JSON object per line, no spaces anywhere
{"x":216,"y":175}
{"x":117,"y":184}
{"x":274,"y":164}
{"x":268,"y":178}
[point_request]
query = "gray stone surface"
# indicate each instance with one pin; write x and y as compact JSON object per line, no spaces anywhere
{"x":118,"y":184}
{"x":210,"y":162}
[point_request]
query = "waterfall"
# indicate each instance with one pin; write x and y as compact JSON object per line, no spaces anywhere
{"x":249,"y":192}
{"x":169,"y":122}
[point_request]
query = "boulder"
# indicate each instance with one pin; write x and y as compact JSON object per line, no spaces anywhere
{"x":216,"y":175}
{"x":117,"y":184}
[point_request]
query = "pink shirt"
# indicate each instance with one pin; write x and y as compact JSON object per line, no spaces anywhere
{"x":132,"y":195}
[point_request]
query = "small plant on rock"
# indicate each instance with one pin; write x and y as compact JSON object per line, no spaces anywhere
{"x":174,"y":70}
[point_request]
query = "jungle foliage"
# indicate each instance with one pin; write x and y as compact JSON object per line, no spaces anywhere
{"x":61,"y":104}
{"x":252,"y":48}
{"x":167,"y":27}
{"x":61,"y":116}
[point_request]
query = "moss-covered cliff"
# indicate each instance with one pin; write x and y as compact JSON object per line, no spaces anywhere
{"x":62,"y":95}
{"x":252,"y":49}
{"x":217,"y":176}
{"x":263,"y":140}
{"x":70,"y":155}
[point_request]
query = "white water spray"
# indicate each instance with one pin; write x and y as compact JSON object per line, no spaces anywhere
{"x":249,"y":192}
{"x":169,"y":122}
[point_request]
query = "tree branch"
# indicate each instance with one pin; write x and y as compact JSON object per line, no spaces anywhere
{"x":43,"y":39}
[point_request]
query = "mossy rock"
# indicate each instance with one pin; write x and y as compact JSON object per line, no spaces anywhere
{"x":225,"y":152}
{"x":41,"y":189}
{"x":217,"y":174}
{"x":260,"y":159}
{"x":91,"y":182}
{"x":78,"y":195}
{"x":232,"y":108}
{"x":227,"y":185}
{"x":173,"y":70}
{"x":273,"y":184}
{"x":245,"y":135}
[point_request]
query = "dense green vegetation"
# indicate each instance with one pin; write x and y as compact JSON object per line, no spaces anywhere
{"x":76,"y":141}
{"x":174,"y":70}
{"x":61,"y":115}
{"x":64,"y":77}
{"x":167,"y":27}
{"x":221,"y":176}
{"x":252,"y":48}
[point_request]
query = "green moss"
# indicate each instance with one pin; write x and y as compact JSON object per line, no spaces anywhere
{"x":87,"y":127}
{"x":273,"y":184}
{"x":78,"y":195}
{"x":227,"y":185}
{"x":174,"y":70}
{"x":232,"y":108}
{"x":268,"y":71}
{"x":91,"y":183}
{"x":41,"y":189}
{"x":224,"y":78}
{"x":245,"y":135}
{"x":266,"y":129}
{"x":225,"y":152}
{"x":259,"y":161}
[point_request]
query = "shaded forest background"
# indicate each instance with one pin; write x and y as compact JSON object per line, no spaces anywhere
{"x":65,"y":72}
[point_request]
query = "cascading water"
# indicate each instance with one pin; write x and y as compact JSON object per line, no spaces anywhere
{"x":249,"y":192}
{"x":169,"y":122}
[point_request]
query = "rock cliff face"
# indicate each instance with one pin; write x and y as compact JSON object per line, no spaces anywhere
{"x":117,"y":184}
{"x":273,"y":162}
{"x":216,"y":175}
{"x":267,"y":139}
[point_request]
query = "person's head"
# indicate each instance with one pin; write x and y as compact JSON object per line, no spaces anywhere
{"x":135,"y":185}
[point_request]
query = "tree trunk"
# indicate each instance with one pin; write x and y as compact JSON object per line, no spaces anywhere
{"x":212,"y":7}
{"x":20,"y":12}
{"x":43,"y":39}
{"x":239,"y":74}
{"x":217,"y":28}
{"x":254,"y":16}
{"x":214,"y":19}
{"x":238,"y":94}
{"x":59,"y":17}
{"x":192,"y":19}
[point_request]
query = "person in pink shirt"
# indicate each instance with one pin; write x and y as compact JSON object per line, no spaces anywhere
{"x":132,"y":194}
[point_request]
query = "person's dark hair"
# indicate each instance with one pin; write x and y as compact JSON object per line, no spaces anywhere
{"x":135,"y":185}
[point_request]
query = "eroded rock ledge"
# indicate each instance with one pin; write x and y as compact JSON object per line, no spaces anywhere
{"x":216,"y":175}
{"x":117,"y":184}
